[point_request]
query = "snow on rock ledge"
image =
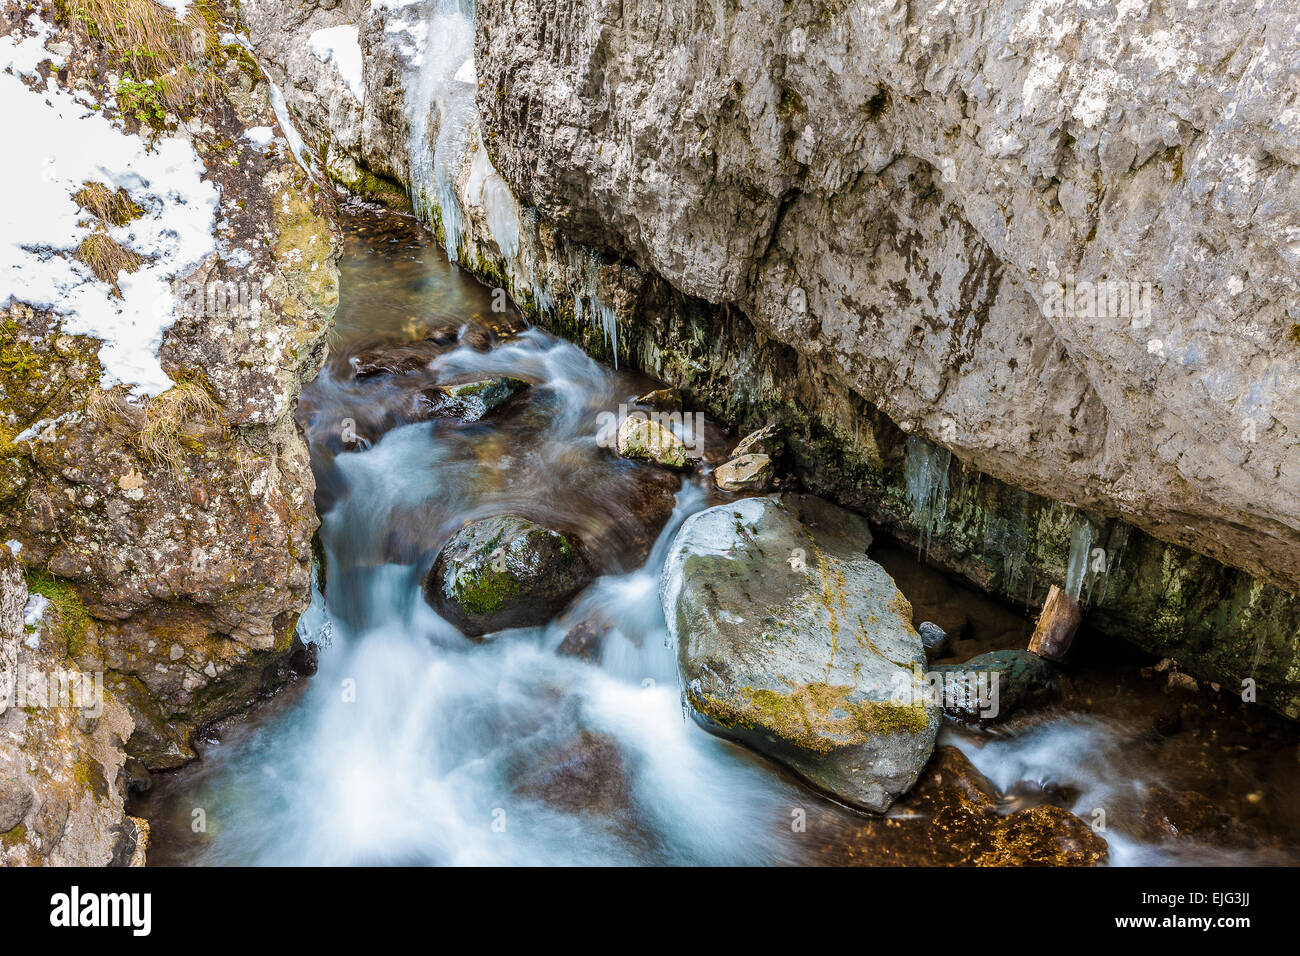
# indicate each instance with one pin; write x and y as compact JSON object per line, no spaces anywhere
{"x":72,"y":143}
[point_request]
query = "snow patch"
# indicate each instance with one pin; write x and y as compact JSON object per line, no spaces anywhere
{"x":35,"y":609}
{"x":41,"y":226}
{"x":259,"y":136}
{"x":341,"y":46}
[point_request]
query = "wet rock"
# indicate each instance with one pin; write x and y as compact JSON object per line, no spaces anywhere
{"x":303,"y":660}
{"x":792,"y":641}
{"x":662,"y":399}
{"x":505,"y":571}
{"x":468,"y":401}
{"x":443,"y":335}
{"x":397,"y":358}
{"x":585,"y":777}
{"x":1022,"y":679}
{"x":952,"y":818}
{"x":647,"y":440}
{"x":138,"y":778}
{"x":650,"y":503}
{"x":583,"y":641}
{"x":934,"y":639}
{"x":477,"y":338}
{"x":1169,"y":814}
{"x":747,"y":473}
{"x":765,"y":441}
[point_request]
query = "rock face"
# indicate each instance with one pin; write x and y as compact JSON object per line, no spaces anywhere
{"x":920,"y":199}
{"x":791,"y":640}
{"x":170,"y":532}
{"x":63,"y":786}
{"x":502,"y":572}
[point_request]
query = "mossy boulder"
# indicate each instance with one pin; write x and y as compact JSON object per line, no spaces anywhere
{"x":791,"y":640}
{"x":505,"y":571}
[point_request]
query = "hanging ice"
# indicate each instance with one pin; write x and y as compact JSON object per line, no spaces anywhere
{"x":1080,"y":550}
{"x":925,"y":468}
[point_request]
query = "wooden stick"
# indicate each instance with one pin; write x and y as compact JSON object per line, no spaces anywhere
{"x":1057,"y":624}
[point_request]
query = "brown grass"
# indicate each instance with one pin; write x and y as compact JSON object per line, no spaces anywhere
{"x":151,"y":44}
{"x":165,"y":415}
{"x":111,"y":409}
{"x":106,"y":258}
{"x":116,"y":208}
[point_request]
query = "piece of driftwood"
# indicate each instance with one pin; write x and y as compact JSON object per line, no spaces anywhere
{"x":1057,"y":624}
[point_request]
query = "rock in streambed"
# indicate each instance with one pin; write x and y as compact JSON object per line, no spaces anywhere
{"x":505,"y":571}
{"x":792,"y":641}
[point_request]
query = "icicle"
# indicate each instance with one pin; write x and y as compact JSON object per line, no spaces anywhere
{"x":925,"y":469}
{"x":1080,"y":551}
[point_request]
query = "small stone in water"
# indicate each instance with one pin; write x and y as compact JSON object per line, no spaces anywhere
{"x":650,"y":441}
{"x":934,"y":639}
{"x":468,"y":401}
{"x":750,"y":473}
{"x":662,"y":399}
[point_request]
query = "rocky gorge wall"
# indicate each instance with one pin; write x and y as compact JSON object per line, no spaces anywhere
{"x":155,"y":531}
{"x":848,"y":222}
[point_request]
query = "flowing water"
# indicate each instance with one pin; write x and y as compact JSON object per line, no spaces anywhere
{"x":413,"y":744}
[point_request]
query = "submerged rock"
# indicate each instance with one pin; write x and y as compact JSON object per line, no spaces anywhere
{"x":397,"y":358}
{"x":647,"y":440}
{"x":748,"y":473}
{"x":1170,"y":814}
{"x":952,"y":818}
{"x":791,"y":640}
{"x":583,"y":640}
{"x":503,"y":572}
{"x":468,"y":401}
{"x":588,"y":776}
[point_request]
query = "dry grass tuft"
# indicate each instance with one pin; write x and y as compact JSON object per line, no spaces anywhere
{"x":116,"y":208}
{"x":111,"y":409}
{"x":152,"y":45}
{"x":165,"y":416}
{"x":106,"y":258}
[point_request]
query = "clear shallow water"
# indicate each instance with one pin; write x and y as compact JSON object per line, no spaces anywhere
{"x":414,"y":745}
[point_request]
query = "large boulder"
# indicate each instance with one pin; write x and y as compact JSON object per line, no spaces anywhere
{"x":505,"y":571}
{"x":791,"y":640}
